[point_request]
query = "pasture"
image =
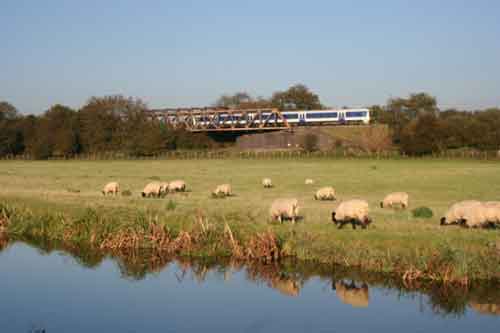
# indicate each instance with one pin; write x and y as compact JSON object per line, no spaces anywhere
{"x":396,"y":241}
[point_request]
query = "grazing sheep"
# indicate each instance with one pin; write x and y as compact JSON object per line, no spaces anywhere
{"x":284,"y":208}
{"x":492,"y":212}
{"x":309,"y":181}
{"x":152,"y":189}
{"x":395,"y":199}
{"x":163,"y":189}
{"x":177,"y":186}
{"x":357,"y":297}
{"x":325,"y":193}
{"x":456,"y":213}
{"x":482,"y":216}
{"x":223,"y":190}
{"x":352,"y":211}
{"x":267,"y":183}
{"x":111,"y":188}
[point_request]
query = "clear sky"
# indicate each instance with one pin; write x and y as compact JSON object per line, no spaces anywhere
{"x":187,"y":53}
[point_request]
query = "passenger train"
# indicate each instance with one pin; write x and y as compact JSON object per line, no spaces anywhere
{"x":297,"y":118}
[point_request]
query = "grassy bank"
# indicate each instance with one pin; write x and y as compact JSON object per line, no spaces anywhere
{"x":61,"y":200}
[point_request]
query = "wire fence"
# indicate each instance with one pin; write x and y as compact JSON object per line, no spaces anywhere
{"x":268,"y":155}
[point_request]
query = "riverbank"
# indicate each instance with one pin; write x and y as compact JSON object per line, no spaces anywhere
{"x":61,"y":201}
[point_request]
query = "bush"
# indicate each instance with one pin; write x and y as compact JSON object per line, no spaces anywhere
{"x":422,"y":213}
{"x":310,"y":142}
{"x":126,"y":193}
{"x":171,"y":205}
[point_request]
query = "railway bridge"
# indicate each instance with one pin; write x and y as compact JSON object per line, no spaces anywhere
{"x":222,"y":119}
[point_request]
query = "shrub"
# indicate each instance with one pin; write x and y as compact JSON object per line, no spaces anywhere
{"x":171,"y":205}
{"x":422,"y":212}
{"x":310,"y":142}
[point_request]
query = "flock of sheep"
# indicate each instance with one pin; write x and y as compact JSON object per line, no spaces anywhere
{"x":472,"y":214}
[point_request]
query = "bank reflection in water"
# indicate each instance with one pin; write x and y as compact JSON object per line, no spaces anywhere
{"x":350,"y":286}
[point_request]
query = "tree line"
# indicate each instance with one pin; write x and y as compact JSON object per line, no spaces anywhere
{"x":103,"y":124}
{"x":419,"y":127}
{"x":120,"y":124}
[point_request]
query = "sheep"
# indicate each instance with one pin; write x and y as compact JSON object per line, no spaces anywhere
{"x":456,"y":213}
{"x":223,"y":190}
{"x":352,"y":211}
{"x":163,"y":189}
{"x":267,"y":183}
{"x":357,"y":297}
{"x":153,"y":189}
{"x":482,"y":216}
{"x":309,"y":181}
{"x":284,"y":208}
{"x":396,"y":198}
{"x":177,"y":186}
{"x":112,"y":187}
{"x":325,"y":193}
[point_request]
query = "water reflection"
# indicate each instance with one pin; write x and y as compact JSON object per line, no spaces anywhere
{"x":350,"y":293}
{"x":351,"y":287}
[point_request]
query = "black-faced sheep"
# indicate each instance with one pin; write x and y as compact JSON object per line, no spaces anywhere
{"x":284,"y":209}
{"x":352,"y":211}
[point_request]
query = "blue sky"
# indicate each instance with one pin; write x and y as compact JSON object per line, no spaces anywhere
{"x":187,"y":53}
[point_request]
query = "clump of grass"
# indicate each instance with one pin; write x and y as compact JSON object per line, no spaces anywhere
{"x":422,"y":212}
{"x":126,"y":193}
{"x":171,"y":205}
{"x":373,"y":167}
{"x":72,"y":190}
{"x":154,"y":178}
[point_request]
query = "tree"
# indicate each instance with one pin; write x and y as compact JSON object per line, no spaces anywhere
{"x":310,"y":142}
{"x":233,"y":101}
{"x":104,"y":122}
{"x":297,"y":97}
{"x":422,"y":135}
{"x":7,"y":111}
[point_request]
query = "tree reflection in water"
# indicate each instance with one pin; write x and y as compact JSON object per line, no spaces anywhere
{"x":288,"y":277}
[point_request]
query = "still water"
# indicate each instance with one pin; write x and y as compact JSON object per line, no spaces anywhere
{"x":53,"y":291}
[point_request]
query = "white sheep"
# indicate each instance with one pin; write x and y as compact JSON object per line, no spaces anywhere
{"x":152,"y":189}
{"x":177,"y":186}
{"x":223,"y":190}
{"x":111,"y":188}
{"x":309,"y":181}
{"x":267,"y":183}
{"x":284,"y":208}
{"x":163,"y":189}
{"x":325,"y":193}
{"x":395,"y":199}
{"x":484,"y":215}
{"x":352,"y":211}
{"x":456,"y":213}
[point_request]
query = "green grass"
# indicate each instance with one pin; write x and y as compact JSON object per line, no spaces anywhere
{"x":395,"y":242}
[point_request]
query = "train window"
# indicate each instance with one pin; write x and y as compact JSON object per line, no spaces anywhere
{"x":354,"y":114}
{"x":291,"y":115}
{"x":314,"y":115}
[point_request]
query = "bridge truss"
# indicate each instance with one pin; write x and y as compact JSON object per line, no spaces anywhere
{"x":222,"y":119}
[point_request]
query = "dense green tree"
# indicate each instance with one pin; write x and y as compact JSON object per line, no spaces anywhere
{"x":297,"y":97}
{"x":101,"y":122}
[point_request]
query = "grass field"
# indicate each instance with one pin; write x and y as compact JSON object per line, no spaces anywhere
{"x":395,"y":242}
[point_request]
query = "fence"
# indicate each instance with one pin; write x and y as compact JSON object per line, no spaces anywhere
{"x":272,"y":155}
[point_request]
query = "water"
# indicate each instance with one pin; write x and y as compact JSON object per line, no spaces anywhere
{"x":56,"y":292}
